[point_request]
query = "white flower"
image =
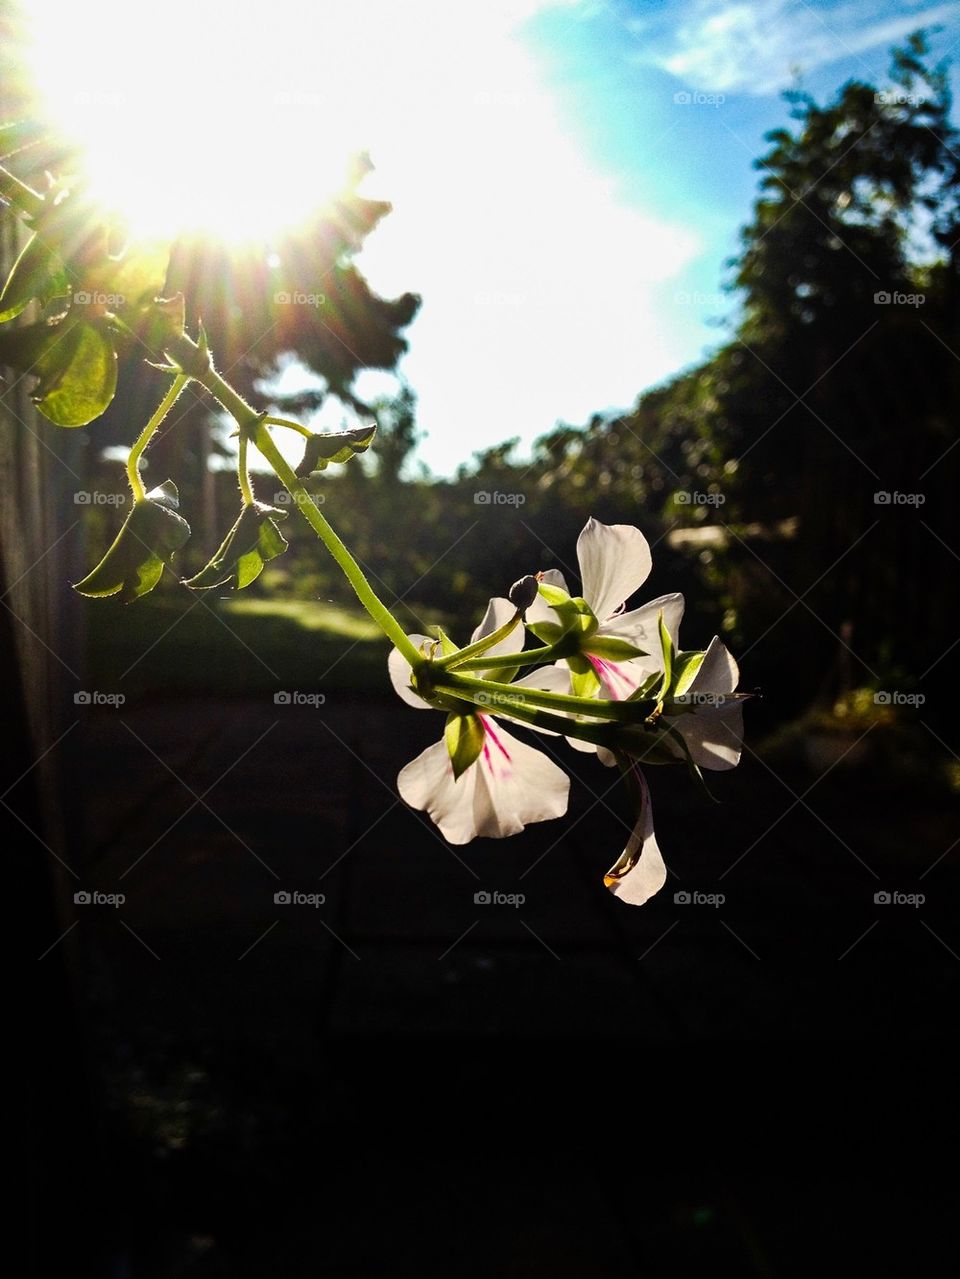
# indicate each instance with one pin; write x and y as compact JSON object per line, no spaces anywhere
{"x":639,"y":872}
{"x":615,"y":562}
{"x":711,"y":719}
{"x":509,"y":784}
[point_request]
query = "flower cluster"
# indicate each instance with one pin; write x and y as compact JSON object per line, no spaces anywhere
{"x":610,"y":680}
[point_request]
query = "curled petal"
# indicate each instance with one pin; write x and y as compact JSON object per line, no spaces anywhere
{"x":509,"y":786}
{"x":400,"y":673}
{"x":718,"y":671}
{"x":639,"y":872}
{"x":615,"y":562}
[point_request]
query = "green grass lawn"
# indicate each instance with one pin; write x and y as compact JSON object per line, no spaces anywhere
{"x":179,"y":643}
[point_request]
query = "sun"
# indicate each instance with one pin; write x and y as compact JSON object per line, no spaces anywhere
{"x":198,"y":115}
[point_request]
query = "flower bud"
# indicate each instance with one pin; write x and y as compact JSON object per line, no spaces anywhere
{"x":523,"y":592}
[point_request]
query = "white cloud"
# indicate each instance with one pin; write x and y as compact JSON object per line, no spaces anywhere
{"x":756,"y":48}
{"x":537,"y":275}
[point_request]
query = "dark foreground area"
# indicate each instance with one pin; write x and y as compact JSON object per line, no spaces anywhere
{"x":296,"y":954}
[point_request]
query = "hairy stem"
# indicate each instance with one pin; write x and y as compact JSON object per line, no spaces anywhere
{"x":133,"y":461}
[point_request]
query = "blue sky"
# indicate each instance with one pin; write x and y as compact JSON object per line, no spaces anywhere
{"x":622,"y":288}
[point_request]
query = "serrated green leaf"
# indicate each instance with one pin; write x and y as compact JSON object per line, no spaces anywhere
{"x":253,"y":540}
{"x":464,"y":737}
{"x":77,"y":375}
{"x":151,"y":534}
{"x":335,"y":446}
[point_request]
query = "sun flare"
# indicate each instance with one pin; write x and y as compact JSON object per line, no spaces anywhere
{"x":198,"y":115}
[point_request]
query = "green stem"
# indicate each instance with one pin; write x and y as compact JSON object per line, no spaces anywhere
{"x":472,"y":651}
{"x":312,"y":514}
{"x":291,"y":426}
{"x":507,"y":661}
{"x":507,"y":694}
{"x":133,"y":461}
{"x":243,"y":470}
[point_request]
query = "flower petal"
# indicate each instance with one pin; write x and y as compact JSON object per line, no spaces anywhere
{"x":400,"y":672}
{"x":714,"y":735}
{"x":718,"y":671}
{"x":615,"y":561}
{"x":499,"y":612}
{"x":540,"y":610}
{"x":641,"y":626}
{"x":640,"y":871}
{"x":508,"y":787}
